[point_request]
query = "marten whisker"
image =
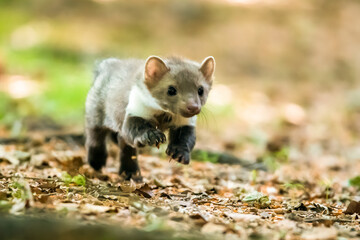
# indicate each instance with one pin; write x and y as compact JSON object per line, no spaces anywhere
{"x":210,"y":117}
{"x":203,"y":117}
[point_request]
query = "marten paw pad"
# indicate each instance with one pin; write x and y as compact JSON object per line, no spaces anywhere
{"x":178,"y":153}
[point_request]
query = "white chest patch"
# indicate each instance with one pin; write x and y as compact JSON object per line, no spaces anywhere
{"x":142,"y":104}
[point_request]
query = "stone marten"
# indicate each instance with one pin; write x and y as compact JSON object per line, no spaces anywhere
{"x":137,"y":100}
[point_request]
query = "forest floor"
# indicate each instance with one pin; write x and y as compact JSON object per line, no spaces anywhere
{"x":274,"y":170}
{"x":284,"y":194}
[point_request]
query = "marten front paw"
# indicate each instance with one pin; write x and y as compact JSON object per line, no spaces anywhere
{"x":178,"y":153}
{"x":150,"y":137}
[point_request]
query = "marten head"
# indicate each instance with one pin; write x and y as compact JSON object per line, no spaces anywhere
{"x":179,"y":86}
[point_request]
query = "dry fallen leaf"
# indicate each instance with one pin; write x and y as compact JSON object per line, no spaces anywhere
{"x":353,"y":207}
{"x":8,"y":156}
{"x":199,"y":219}
{"x":38,"y":159}
{"x":145,"y":191}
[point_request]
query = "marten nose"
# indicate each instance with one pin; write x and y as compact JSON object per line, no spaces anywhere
{"x":193,"y":108}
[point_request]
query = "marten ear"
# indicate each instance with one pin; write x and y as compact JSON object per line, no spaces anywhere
{"x":155,"y":69}
{"x":207,"y":68}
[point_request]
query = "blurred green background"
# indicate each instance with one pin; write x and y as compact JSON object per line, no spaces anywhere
{"x":282,"y":50}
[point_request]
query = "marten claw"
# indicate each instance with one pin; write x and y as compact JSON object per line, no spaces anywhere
{"x":150,"y":137}
{"x":179,"y":154}
{"x":155,"y":137}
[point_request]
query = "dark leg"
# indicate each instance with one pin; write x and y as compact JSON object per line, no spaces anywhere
{"x":129,"y":167}
{"x":96,"y":147}
{"x":181,"y":142}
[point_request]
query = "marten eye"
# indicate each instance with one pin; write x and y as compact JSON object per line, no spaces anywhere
{"x":171,"y":91}
{"x":201,"y":91}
